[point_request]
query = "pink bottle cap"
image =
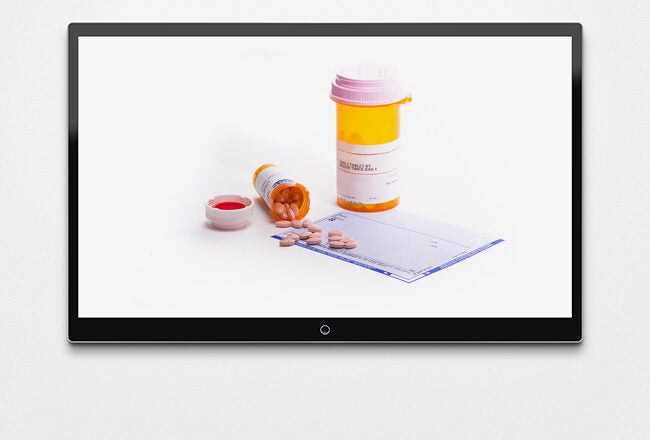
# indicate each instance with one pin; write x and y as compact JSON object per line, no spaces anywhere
{"x":367,"y":84}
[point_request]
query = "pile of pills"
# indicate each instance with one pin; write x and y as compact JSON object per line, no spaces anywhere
{"x":313,"y":235}
{"x":285,"y":205}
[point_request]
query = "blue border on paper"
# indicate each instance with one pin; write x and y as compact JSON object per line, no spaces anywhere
{"x":321,"y":250}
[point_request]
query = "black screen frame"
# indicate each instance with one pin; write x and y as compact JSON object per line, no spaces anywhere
{"x":308,"y":330}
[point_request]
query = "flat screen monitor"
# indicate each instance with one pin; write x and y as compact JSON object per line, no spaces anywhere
{"x":448,"y":154}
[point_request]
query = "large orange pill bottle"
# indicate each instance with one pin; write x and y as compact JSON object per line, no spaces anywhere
{"x":368,"y":99}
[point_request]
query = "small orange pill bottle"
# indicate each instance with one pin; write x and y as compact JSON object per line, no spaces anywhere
{"x":368,"y":99}
{"x":284,"y":197}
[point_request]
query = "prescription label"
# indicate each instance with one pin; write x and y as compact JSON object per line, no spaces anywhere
{"x":367,"y":173}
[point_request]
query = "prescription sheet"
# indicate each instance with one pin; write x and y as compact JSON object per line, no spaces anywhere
{"x":396,"y":243}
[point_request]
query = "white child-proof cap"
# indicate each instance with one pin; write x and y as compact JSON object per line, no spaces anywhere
{"x":229,"y":218}
{"x":367,"y":84}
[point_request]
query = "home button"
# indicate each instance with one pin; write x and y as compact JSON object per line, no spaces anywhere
{"x":325,"y":329}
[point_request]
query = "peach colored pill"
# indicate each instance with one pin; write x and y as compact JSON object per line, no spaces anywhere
{"x":315,"y":234}
{"x":337,"y":244}
{"x":335,"y":232}
{"x":306,"y":223}
{"x":289,"y":212}
{"x":350,"y":244}
{"x":314,"y":228}
{"x":345,"y":239}
{"x":296,"y":223}
{"x":283,"y":224}
{"x":294,"y":237}
{"x":294,"y":208}
{"x":305,"y":235}
{"x":335,"y":238}
{"x":281,"y":209}
{"x":287,"y":242}
{"x":313,"y":240}
{"x":278,"y":207}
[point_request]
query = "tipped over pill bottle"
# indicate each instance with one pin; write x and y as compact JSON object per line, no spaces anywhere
{"x":368,"y":99}
{"x":286,"y":199}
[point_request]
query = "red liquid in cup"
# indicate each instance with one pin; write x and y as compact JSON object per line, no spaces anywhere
{"x":229,"y":206}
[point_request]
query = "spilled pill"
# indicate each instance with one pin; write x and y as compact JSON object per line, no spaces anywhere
{"x":312,"y":236}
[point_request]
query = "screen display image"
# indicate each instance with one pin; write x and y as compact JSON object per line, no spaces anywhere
{"x":213,"y":170}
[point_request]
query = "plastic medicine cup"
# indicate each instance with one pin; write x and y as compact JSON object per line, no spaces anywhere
{"x":368,"y":98}
{"x":280,"y":193}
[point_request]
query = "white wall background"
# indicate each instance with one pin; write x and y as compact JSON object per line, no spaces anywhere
{"x":51,"y":389}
